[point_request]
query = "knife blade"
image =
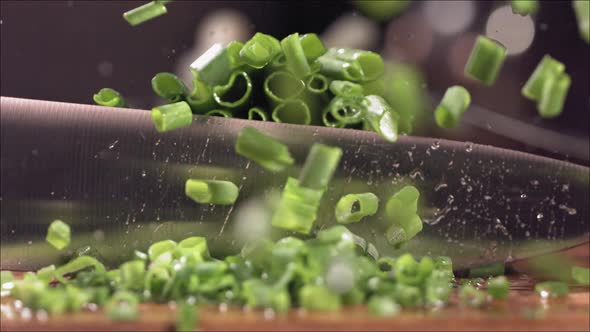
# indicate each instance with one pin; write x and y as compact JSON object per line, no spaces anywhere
{"x":120,"y":186}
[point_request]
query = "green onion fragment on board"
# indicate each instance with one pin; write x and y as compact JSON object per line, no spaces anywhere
{"x":499,"y":287}
{"x":58,"y":234}
{"x":548,"y":289}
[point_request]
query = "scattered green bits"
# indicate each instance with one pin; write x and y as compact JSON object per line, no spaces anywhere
{"x":455,"y":102}
{"x":524,"y":7}
{"x":58,"y":234}
{"x":211,"y":191}
{"x":172,"y":116}
{"x":581,"y":275}
{"x":472,"y":297}
{"x":499,"y":287}
{"x":582,"y":9}
{"x":123,"y":306}
{"x":485,"y":60}
{"x":383,"y":306}
{"x":552,"y":289}
{"x":319,"y":298}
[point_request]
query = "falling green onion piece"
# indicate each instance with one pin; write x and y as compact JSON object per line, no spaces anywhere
{"x":553,"y":95}
{"x":168,"y":86}
{"x":258,"y":114}
{"x":295,"y":56}
{"x":319,"y":166}
{"x":485,"y":60}
{"x":145,"y":13}
{"x":297,"y":208}
{"x":353,"y":207}
{"x":582,"y":9}
{"x":58,"y":234}
{"x":260,"y":50}
{"x":381,"y":117}
{"x":172,"y":116}
{"x":109,"y":97}
{"x":524,"y":7}
{"x":236,"y":92}
{"x":293,"y":111}
{"x":548,"y":67}
{"x":282,"y":85}
{"x":581,"y":275}
{"x":455,"y":102}
{"x":381,"y":10}
{"x":552,"y":289}
{"x":211,"y":191}
{"x":215,"y":65}
{"x":264,"y":150}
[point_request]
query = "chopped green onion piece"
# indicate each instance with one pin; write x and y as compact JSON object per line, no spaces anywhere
{"x":319,"y":298}
{"x":168,"y":86}
{"x":317,"y":83}
{"x":292,"y":111}
{"x":402,"y":208}
{"x":319,"y":166}
{"x":159,"y":248}
{"x":80,"y":263}
{"x":547,"y":67}
{"x":144,"y":13}
{"x":353,"y":207}
{"x":140,"y":255}
{"x":383,"y":306}
{"x":278,"y":63}
{"x":123,"y":306}
{"x":257,"y":294}
{"x":295,"y":56}
{"x":345,"y":88}
{"x":524,"y":7}
{"x":498,"y":287}
{"x":339,"y":69}
{"x":490,"y":270}
{"x":381,"y":10}
{"x":552,"y":289}
{"x":264,"y":150}
{"x":581,"y":275}
{"x":410,"y":272}
{"x":438,"y":288}
{"x":472,"y":297}
{"x":312,"y":46}
{"x":211,"y":191}
{"x":405,"y":91}
{"x":54,"y":301}
{"x":196,"y":245}
{"x":28,"y":291}
{"x":236,"y":92}
{"x":233,"y":53}
{"x":172,"y":116}
{"x":187,"y":318}
{"x":381,"y":117}
{"x":132,"y":274}
{"x":371,"y":64}
{"x":376,"y":87}
{"x":348,"y":109}
{"x":297,"y":208}
{"x":454,"y":103}
{"x":258,"y":114}
{"x":109,"y":97}
{"x":582,"y":9}
{"x":46,"y":274}
{"x":485,"y":60}
{"x":215,"y":65}
{"x":77,"y":298}
{"x":58,"y":234}
{"x":553,"y":95}
{"x":260,"y":50}
{"x":407,"y":296}
{"x":282,"y":85}
{"x":220,"y":113}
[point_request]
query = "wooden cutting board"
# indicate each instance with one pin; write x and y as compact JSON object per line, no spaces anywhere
{"x":523,"y":310}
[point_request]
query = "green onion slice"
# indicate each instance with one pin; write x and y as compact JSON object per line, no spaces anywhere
{"x":168,"y":86}
{"x":211,"y":191}
{"x":319,"y":166}
{"x":236,"y":92}
{"x":485,"y":60}
{"x":109,"y":97}
{"x":58,"y":234}
{"x":547,"y":67}
{"x":264,"y":150}
{"x":145,"y":13}
{"x":353,"y":207}
{"x":454,"y":103}
{"x":172,"y":116}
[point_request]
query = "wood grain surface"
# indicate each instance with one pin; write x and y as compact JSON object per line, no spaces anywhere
{"x":523,"y":311}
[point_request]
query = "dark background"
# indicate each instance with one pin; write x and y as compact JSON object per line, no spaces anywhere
{"x":68,"y":50}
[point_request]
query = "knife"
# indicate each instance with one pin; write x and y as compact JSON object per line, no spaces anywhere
{"x":119,"y":184}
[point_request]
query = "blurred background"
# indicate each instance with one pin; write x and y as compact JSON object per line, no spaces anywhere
{"x":68,"y":50}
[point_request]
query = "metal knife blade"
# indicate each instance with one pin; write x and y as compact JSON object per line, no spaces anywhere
{"x":120,"y":185}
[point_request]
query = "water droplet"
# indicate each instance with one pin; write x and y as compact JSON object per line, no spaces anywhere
{"x":487,"y":197}
{"x":143,"y":173}
{"x":523,"y":196}
{"x":113,"y":145}
{"x":462,"y":181}
{"x":269,"y":314}
{"x":565,"y":188}
{"x":440,"y":186}
{"x":540,"y":216}
{"x":527,"y":234}
{"x":468,"y":147}
{"x":469,"y":188}
{"x":52,"y":193}
{"x":450,"y":199}
{"x":435,"y":145}
{"x":223,"y":307}
{"x":29,"y":242}
{"x":535,"y":182}
{"x":569,"y":210}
